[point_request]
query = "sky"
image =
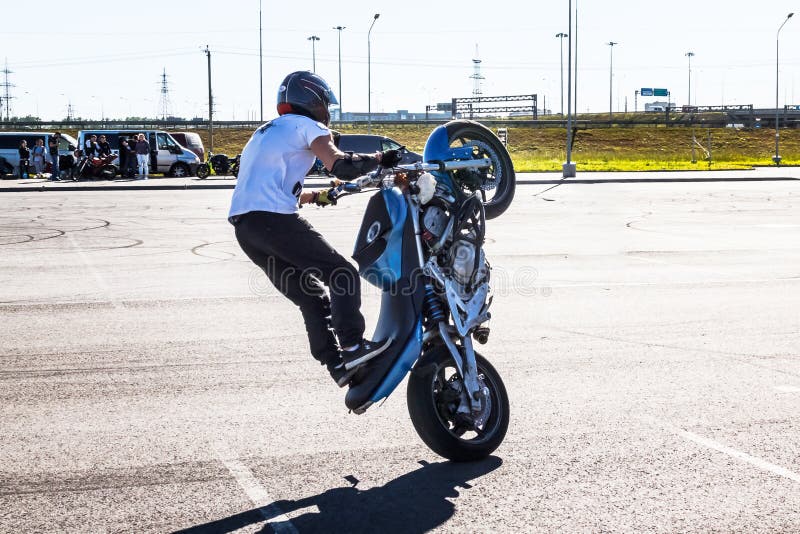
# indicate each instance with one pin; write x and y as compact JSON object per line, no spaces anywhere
{"x":106,"y":58}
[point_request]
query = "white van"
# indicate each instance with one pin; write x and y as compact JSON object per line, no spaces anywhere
{"x":10,"y":141}
{"x":166,"y":155}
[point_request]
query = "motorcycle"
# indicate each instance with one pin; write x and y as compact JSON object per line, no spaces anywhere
{"x":96,"y":167}
{"x":221,"y":164}
{"x":421,"y":242}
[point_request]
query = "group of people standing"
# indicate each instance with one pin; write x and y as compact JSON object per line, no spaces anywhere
{"x":133,"y":153}
{"x":36,"y":157}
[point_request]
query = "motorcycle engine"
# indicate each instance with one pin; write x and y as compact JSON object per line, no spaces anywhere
{"x":434,"y":223}
{"x":463,"y":261}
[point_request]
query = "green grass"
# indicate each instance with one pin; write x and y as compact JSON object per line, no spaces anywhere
{"x":635,"y":148}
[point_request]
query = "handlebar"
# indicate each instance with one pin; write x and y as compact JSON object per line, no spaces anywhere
{"x":375,"y":177}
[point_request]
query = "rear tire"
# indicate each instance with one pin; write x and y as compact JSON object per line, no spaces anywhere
{"x":501,"y":178}
{"x":109,"y":172}
{"x":433,"y":412}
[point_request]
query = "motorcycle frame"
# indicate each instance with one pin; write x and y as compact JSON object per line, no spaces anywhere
{"x":465,"y":362}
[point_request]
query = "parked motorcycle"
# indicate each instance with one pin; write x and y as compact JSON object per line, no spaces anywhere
{"x":221,"y":164}
{"x":96,"y":167}
{"x":421,"y":242}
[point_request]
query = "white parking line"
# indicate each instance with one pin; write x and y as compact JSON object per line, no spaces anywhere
{"x":758,"y":462}
{"x":787,"y":389}
{"x":276,"y":519}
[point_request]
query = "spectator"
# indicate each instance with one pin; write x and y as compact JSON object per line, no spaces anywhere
{"x":24,"y":159}
{"x":123,"y":153}
{"x":90,"y":148}
{"x":143,"y":155}
{"x":52,"y":145}
{"x":38,"y":157}
{"x":103,"y":147}
{"x":127,"y":156}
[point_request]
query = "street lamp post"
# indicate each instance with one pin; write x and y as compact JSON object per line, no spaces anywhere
{"x":561,"y":42}
{"x":313,"y":40}
{"x":568,"y":169}
{"x":260,"y":64}
{"x":611,"y":79}
{"x":369,"y":75}
{"x":340,"y":28}
{"x":690,"y":55}
{"x":777,"y":157}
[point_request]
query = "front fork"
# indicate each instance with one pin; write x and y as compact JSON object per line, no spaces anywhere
{"x":464,"y":360}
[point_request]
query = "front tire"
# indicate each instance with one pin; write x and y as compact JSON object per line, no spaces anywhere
{"x":433,"y":402}
{"x":203,"y":171}
{"x":498,"y":187}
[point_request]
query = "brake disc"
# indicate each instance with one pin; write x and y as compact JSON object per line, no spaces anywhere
{"x":492,"y":180}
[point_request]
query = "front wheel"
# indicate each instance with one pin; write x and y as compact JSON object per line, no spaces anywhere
{"x":203,"y":170}
{"x":434,"y":395}
{"x":498,"y":183}
{"x":179,"y":170}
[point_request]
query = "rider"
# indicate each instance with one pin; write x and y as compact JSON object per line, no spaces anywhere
{"x":295,"y":257}
{"x":103,"y":146}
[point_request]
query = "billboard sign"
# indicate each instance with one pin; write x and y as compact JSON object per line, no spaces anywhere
{"x":646,"y":91}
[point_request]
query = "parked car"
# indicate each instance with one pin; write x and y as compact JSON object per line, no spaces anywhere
{"x":9,"y":145}
{"x":192,"y":141}
{"x":167,"y":156}
{"x":367,"y":144}
{"x":374,"y":143}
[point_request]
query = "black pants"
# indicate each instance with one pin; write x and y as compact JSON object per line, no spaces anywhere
{"x":298,"y":261}
{"x":23,"y":168}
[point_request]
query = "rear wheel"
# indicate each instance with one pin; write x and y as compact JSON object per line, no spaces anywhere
{"x":434,"y":395}
{"x":109,"y":172}
{"x":498,"y":183}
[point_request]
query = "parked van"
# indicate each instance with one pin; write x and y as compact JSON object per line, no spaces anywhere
{"x":9,"y":145}
{"x":192,"y":141}
{"x":167,"y":156}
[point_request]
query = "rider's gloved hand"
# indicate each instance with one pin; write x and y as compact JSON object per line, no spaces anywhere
{"x":390,"y":158}
{"x":323,"y":198}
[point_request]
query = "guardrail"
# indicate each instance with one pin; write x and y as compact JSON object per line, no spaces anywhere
{"x":721,"y":117}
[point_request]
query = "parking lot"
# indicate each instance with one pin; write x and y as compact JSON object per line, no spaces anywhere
{"x":647,"y":330}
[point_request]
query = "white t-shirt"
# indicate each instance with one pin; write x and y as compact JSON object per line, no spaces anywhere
{"x":274,"y":164}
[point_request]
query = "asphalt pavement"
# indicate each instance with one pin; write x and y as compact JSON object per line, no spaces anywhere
{"x":151,"y":380}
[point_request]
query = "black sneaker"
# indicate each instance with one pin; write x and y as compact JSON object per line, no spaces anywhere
{"x":340,"y":375}
{"x":365,"y":352}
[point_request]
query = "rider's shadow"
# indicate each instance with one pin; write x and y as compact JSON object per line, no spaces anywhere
{"x":412,"y":503}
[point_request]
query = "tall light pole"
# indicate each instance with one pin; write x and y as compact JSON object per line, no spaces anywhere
{"x":690,"y":55}
{"x":340,"y":28}
{"x":561,"y":42}
{"x":260,"y":65}
{"x":313,"y":40}
{"x":568,"y":169}
{"x":611,"y":79}
{"x":369,"y":75}
{"x":210,"y":105}
{"x":777,"y":157}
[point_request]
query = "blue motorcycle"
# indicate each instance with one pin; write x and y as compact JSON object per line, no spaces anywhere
{"x":421,"y":242}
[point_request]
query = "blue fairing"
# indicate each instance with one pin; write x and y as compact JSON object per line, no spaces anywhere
{"x":386,"y":270}
{"x":402,"y":366}
{"x":437,"y":147}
